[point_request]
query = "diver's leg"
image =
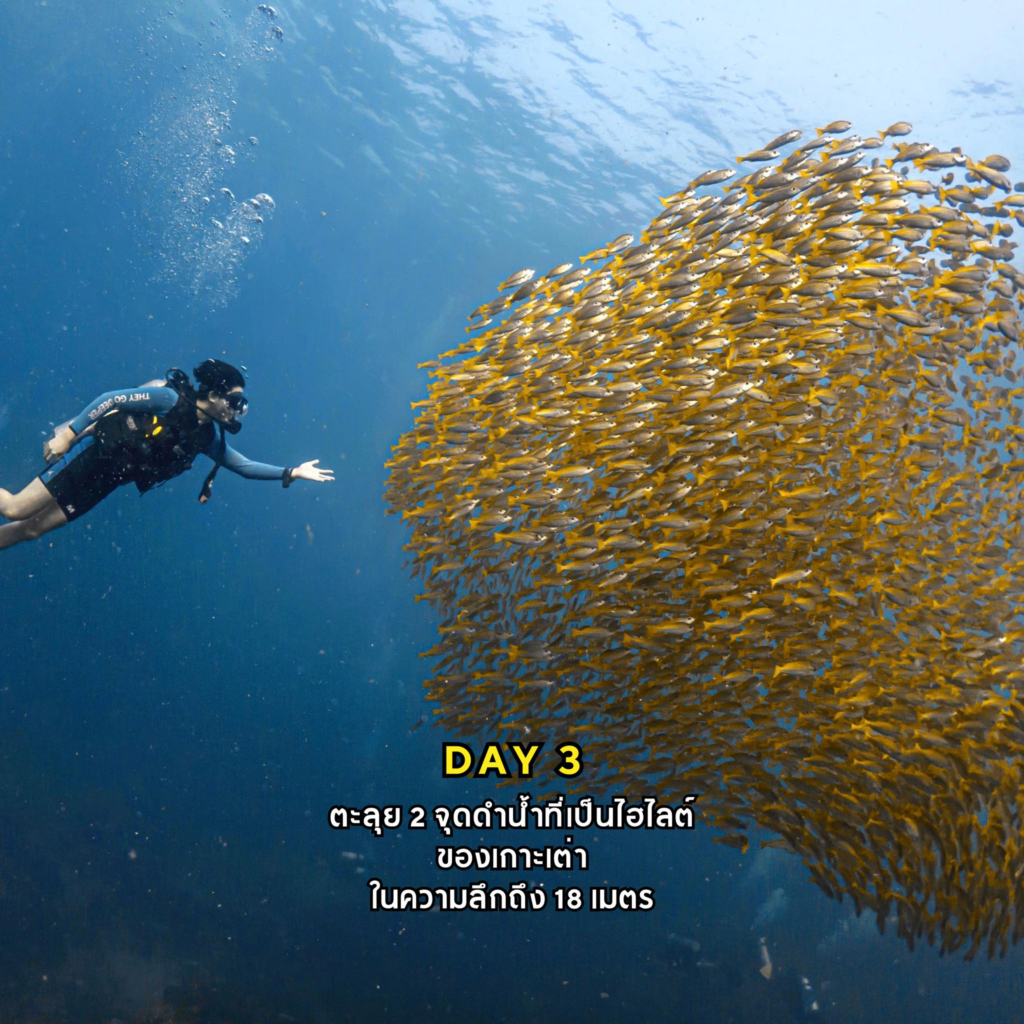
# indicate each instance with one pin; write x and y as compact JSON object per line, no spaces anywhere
{"x":52,"y":517}
{"x":25,"y":504}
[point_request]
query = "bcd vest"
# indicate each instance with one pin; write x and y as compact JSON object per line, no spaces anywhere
{"x":154,"y":449}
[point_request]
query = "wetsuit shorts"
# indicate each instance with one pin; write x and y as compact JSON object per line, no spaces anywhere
{"x":83,"y":478}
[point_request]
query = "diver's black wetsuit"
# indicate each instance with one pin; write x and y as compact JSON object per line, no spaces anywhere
{"x":87,"y":474}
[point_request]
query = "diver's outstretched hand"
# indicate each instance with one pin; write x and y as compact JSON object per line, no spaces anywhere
{"x":58,"y":445}
{"x":309,"y":471}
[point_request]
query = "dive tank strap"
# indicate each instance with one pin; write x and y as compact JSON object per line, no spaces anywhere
{"x":206,"y":491}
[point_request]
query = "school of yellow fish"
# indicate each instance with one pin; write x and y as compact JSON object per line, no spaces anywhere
{"x":737,"y":506}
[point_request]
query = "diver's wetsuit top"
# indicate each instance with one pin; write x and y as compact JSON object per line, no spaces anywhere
{"x":83,"y":477}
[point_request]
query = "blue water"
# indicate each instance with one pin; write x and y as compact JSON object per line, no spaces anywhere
{"x":185,"y":690}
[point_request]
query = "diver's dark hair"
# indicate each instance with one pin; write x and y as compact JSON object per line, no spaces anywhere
{"x":216,"y":375}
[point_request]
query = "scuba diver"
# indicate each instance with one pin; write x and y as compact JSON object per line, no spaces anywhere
{"x":146,"y":436}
